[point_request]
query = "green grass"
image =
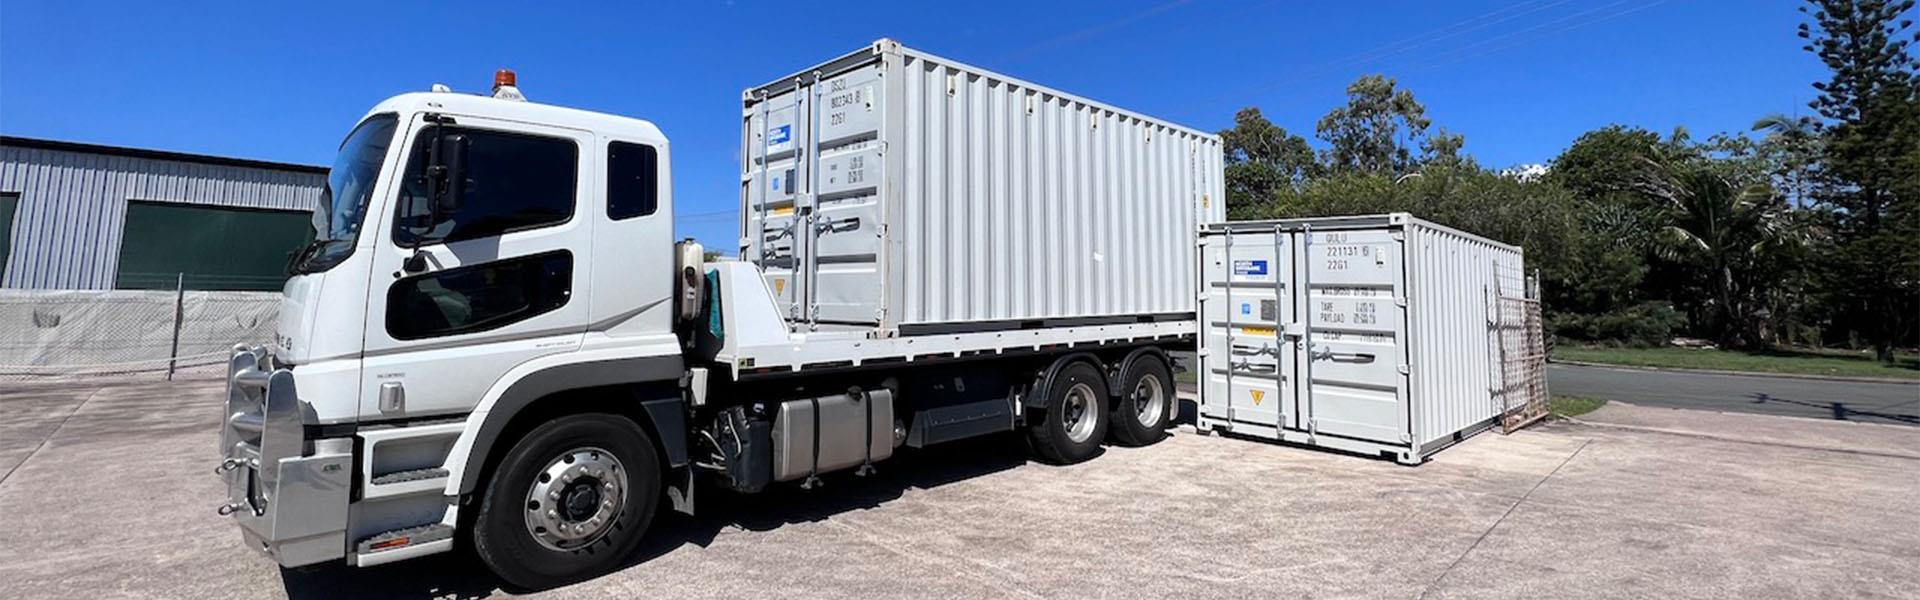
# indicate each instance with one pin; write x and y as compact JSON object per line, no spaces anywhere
{"x":1573,"y":406}
{"x":1835,"y":363}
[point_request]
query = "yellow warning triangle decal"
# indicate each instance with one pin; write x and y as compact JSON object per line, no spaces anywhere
{"x":779,"y":286}
{"x":1257,"y":396}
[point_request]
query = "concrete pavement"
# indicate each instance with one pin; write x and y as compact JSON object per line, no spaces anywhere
{"x":1865,"y":402}
{"x":111,"y":495}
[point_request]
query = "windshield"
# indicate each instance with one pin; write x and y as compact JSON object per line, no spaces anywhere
{"x":336,"y":221}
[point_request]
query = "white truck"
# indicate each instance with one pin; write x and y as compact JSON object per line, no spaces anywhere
{"x":495,"y":338}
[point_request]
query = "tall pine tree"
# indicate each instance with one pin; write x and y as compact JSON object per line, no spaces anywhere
{"x":1871,"y":176}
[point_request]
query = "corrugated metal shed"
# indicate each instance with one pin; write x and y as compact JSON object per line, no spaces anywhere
{"x":73,"y":200}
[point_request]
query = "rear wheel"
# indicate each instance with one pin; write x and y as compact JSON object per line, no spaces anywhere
{"x":1143,"y":406}
{"x":569,"y":501}
{"x":1069,"y":429}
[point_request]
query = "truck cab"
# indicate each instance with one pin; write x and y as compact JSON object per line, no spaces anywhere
{"x":471,"y":253}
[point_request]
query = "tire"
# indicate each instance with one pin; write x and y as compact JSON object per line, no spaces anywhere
{"x":579,"y":456}
{"x":1074,"y":421}
{"x":1143,"y":406}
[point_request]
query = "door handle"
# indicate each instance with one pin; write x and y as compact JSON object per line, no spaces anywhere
{"x":1325,"y":353}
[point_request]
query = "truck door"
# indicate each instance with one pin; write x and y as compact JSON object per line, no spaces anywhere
{"x":1248,"y":304}
{"x":497,"y":276}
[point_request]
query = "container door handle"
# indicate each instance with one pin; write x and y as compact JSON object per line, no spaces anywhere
{"x":1325,"y":353}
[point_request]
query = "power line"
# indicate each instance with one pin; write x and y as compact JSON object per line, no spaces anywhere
{"x":1456,"y":56}
{"x":1091,"y":32}
{"x":1456,"y":29}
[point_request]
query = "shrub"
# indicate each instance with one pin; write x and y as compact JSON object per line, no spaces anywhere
{"x":1643,"y":325}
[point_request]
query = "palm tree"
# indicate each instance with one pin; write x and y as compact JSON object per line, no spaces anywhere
{"x":1725,"y":230}
{"x":1798,"y":141}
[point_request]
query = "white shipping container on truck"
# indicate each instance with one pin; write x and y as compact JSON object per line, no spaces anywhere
{"x":1376,"y":334}
{"x":893,"y":189}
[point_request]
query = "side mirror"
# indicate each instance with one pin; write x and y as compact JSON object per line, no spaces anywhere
{"x":453,"y":186}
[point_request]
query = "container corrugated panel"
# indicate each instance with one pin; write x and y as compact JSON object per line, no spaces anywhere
{"x":67,"y":227}
{"x":1369,"y":334}
{"x":1455,"y":280}
{"x":897,"y":189}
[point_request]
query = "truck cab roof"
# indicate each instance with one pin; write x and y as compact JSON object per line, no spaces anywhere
{"x":456,"y":104}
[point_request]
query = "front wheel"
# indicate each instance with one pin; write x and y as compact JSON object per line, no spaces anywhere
{"x":569,"y":501}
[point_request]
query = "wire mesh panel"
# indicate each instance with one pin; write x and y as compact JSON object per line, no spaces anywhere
{"x":1523,"y":363}
{"x":66,"y":334}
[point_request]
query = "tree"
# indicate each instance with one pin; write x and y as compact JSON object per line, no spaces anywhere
{"x":1443,"y":148}
{"x":1870,"y":140}
{"x":1262,"y":158}
{"x":1605,"y":162}
{"x":1792,"y":144}
{"x":1728,"y":233}
{"x":1376,"y":131}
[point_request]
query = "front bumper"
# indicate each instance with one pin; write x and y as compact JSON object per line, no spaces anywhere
{"x":288,"y":493}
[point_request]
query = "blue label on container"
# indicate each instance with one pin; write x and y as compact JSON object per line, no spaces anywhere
{"x":1249,"y":267}
{"x":776,"y":184}
{"x":1246,"y":308}
{"x":780,"y":135}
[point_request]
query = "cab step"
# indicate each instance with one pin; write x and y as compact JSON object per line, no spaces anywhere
{"x":414,"y":475}
{"x":406,"y":483}
{"x":402,"y":544}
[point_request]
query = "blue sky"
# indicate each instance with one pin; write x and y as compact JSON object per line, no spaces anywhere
{"x":284,"y":81}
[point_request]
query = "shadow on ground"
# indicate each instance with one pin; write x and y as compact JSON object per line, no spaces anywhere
{"x":460,"y":574}
{"x":1841,"y":411}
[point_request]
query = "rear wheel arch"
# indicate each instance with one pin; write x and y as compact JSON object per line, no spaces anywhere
{"x":1037,"y":397}
{"x":1120,"y":367}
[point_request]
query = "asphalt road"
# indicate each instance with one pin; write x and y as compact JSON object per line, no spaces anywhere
{"x":1816,"y":398}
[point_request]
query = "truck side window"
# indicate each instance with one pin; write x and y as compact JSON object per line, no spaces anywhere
{"x":633,"y":180}
{"x":480,"y":297}
{"x":514,"y":182}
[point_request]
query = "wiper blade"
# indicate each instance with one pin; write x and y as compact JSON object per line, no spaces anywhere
{"x":300,"y":256}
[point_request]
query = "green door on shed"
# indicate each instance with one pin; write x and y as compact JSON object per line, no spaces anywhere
{"x":215,"y":247}
{"x":8,"y":202}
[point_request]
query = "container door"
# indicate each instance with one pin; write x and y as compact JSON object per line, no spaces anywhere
{"x":845,"y":283}
{"x":1355,"y":327}
{"x":1249,"y":302}
{"x":772,"y":233}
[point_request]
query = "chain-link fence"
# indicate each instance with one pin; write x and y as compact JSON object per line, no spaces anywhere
{"x":63,"y":334}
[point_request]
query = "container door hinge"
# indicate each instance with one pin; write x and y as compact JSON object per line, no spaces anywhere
{"x":1406,"y":370}
{"x":1406,"y":438}
{"x":1399,"y":235}
{"x":1400,"y":302}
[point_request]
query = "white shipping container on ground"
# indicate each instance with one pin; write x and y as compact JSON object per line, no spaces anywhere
{"x":897,"y":191}
{"x":1369,"y":334}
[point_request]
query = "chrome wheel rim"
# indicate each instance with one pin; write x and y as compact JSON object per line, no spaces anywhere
{"x":1149,"y":400}
{"x":575,"y":500}
{"x":1079,"y":413}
